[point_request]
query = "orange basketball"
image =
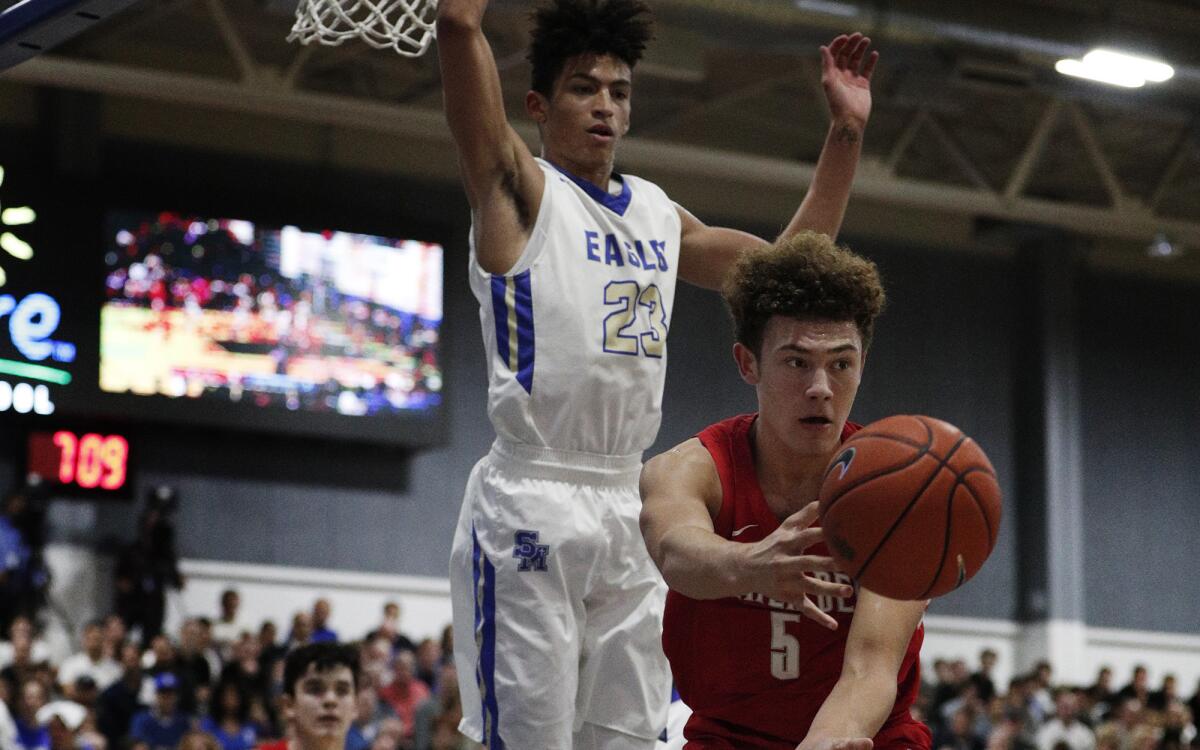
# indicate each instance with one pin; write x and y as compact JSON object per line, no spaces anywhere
{"x":910,"y":507}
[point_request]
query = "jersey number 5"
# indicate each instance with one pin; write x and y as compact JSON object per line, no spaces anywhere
{"x":622,"y":334}
{"x":785,"y":649}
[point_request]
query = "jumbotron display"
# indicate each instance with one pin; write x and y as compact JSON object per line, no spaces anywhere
{"x":225,"y":311}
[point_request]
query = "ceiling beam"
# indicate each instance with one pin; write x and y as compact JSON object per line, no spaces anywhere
{"x":650,"y":157}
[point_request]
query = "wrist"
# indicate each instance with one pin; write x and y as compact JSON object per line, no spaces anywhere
{"x":847,"y":130}
{"x":740,"y":564}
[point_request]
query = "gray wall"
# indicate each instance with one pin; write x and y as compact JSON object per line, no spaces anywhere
{"x":1141,"y":411}
{"x":945,"y":347}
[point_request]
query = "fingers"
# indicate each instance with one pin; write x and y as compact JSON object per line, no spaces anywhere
{"x":850,"y":53}
{"x":804,"y":517}
{"x":869,"y":68}
{"x":814,"y":613}
{"x":857,"y":53}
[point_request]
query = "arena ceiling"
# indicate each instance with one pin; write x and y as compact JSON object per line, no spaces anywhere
{"x":972,"y":126}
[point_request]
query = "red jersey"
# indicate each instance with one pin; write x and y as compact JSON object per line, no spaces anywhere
{"x":754,"y":670}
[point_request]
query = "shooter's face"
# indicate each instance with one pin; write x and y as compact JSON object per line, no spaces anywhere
{"x":589,"y":111}
{"x":807,"y":376}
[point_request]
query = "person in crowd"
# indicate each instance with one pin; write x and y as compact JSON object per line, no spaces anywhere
{"x":1065,"y":728}
{"x":319,"y":697}
{"x":115,"y":634}
{"x":229,"y":718}
{"x":1178,"y":729}
{"x":321,"y":632}
{"x":22,"y":666}
{"x":301,"y":633}
{"x":1119,"y":729}
{"x":1008,"y":731}
{"x":390,"y":628}
{"x":198,"y":740}
{"x":31,"y":734}
{"x":1158,"y":700}
{"x":959,"y":732}
{"x":436,"y":720}
{"x":982,"y":678}
{"x":1138,"y":687}
{"x":1042,"y":697}
{"x":245,"y":668}
{"x":1101,"y":695}
{"x":228,"y":626}
{"x":405,"y":693}
{"x":370,"y":715}
{"x":118,"y":704}
{"x":428,"y":661}
{"x":163,"y":725}
{"x":90,"y":661}
{"x":192,"y":663}
{"x":63,"y":721}
{"x":22,"y":629}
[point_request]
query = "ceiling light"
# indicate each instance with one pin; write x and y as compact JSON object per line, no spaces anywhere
{"x":1152,"y":70}
{"x":829,"y":7}
{"x":1116,"y":68}
{"x":1162,"y":247}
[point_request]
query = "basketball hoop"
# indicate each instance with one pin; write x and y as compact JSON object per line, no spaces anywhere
{"x":406,"y":26}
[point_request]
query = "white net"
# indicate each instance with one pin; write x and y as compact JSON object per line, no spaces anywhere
{"x":406,"y":26}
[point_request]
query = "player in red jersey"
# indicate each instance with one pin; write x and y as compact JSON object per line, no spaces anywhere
{"x":320,"y":682}
{"x":728,"y":518}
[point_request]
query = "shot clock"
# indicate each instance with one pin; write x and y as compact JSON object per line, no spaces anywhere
{"x":91,"y":461}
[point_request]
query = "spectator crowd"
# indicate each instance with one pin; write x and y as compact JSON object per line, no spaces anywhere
{"x":968,"y":711}
{"x":216,"y":685}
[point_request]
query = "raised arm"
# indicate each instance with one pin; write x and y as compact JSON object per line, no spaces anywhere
{"x":681,"y":495}
{"x":502,"y":180}
{"x":707,"y":253}
{"x":866,"y":691}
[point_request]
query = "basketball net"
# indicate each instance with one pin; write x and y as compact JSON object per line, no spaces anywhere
{"x":406,"y":26}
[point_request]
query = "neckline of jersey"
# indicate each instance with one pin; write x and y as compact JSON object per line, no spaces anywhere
{"x":618,"y":204}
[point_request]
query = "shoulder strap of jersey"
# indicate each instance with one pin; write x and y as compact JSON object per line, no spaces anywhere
{"x":725,"y":443}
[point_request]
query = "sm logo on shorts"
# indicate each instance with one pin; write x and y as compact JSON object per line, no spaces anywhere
{"x":531,"y":554}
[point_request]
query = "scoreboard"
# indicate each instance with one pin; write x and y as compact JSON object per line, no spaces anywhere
{"x":122,"y":306}
{"x":71,"y":461}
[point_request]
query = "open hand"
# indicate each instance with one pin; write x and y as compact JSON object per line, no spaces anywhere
{"x":846,"y":69}
{"x":780,"y":569}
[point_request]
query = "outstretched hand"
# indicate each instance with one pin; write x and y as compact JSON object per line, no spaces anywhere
{"x":846,"y":69}
{"x":781,"y":570}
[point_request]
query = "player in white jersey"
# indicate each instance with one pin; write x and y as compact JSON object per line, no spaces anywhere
{"x":557,"y":606}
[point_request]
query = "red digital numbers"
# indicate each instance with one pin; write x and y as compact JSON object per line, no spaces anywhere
{"x":88,"y":461}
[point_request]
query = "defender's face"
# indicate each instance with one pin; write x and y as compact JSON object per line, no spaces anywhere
{"x":589,"y":110}
{"x":806,"y":377}
{"x":324,"y":703}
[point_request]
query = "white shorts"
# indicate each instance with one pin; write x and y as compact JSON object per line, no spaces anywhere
{"x":557,"y":605}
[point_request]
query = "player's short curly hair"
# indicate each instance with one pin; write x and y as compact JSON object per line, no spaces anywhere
{"x":566,"y":28}
{"x":808,"y":277}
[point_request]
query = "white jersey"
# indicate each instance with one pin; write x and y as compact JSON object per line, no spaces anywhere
{"x":576,"y":332}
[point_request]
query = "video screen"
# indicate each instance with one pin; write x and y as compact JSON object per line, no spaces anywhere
{"x":226,"y":310}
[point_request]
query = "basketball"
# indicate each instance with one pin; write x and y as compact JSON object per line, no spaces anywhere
{"x":910,"y":507}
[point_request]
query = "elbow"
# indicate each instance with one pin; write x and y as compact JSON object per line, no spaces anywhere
{"x":454,"y":20}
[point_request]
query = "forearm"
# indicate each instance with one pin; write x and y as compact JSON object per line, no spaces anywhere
{"x":825,"y":204}
{"x":696,"y":562}
{"x":857,"y":707}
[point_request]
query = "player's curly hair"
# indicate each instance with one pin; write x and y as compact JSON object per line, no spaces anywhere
{"x":808,"y":277}
{"x":566,"y":28}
